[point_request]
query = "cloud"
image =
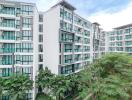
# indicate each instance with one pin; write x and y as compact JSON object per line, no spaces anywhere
{"x":109,"y":13}
{"x":92,"y":6}
{"x":111,"y":20}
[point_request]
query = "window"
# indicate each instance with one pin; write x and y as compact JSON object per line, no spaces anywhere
{"x":77,"y":57}
{"x":40,"y":58}
{"x":40,"y":18}
{"x":67,"y":69}
{"x":66,"y":14}
{"x":27,"y":35}
{"x":67,"y":37}
{"x":68,"y":59}
{"x":5,"y":72}
{"x":86,"y":48}
{"x":40,"y":48}
{"x":119,"y":32}
{"x":119,"y":48}
{"x":112,"y":38}
{"x":77,"y":48}
{"x":40,"y":66}
{"x":28,"y":96}
{"x":86,"y":41}
{"x":40,"y":38}
{"x":5,"y":97}
{"x":77,"y":66}
{"x":128,"y":49}
{"x":66,"y":26}
{"x":24,"y":47}
{"x":127,"y":30}
{"x":128,"y":43}
{"x":40,"y":27}
{"x":68,"y":47}
{"x":128,"y":36}
{"x":9,"y":35}
{"x":27,"y":22}
{"x":8,"y":23}
{"x":7,"y":60}
{"x":24,"y":59}
{"x":27,"y":71}
{"x":119,"y":37}
{"x":8,"y":10}
{"x":27,"y":10}
{"x":119,"y":43}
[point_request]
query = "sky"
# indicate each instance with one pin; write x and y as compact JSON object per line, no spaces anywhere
{"x":108,"y":13}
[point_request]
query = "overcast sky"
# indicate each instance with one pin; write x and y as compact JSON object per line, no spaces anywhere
{"x":109,"y":13}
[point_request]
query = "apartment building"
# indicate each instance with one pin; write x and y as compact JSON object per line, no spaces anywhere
{"x":120,"y":39}
{"x":96,"y":40}
{"x":58,"y":38}
{"x":67,"y":39}
{"x":103,"y":43}
{"x":18,"y":41}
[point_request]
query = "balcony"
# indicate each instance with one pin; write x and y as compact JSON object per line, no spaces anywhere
{"x":6,"y":62}
{"x":7,"y":12}
{"x":7,"y":39}
{"x":66,"y":37}
{"x":7,"y":50}
{"x":7,"y":24}
{"x":68,"y":61}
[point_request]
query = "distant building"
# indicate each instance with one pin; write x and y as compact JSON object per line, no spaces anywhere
{"x":120,"y":39}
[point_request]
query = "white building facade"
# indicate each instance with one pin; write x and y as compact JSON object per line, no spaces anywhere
{"x":67,"y":39}
{"x":59,"y":39}
{"x":18,"y":41}
{"x":120,"y":39}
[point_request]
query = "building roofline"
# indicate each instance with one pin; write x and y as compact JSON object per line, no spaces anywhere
{"x":96,"y":23}
{"x":66,"y":4}
{"x":11,"y":1}
{"x":123,"y":26}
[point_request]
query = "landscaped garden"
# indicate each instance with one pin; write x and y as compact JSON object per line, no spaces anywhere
{"x":108,"y":78}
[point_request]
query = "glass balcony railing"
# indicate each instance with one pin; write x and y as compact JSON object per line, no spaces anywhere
{"x":7,"y":50}
{"x":67,"y":50}
{"x":7,"y":38}
{"x":78,"y":50}
{"x":6,"y":62}
{"x":7,"y":25}
{"x":68,"y":61}
{"x":7,"y":10}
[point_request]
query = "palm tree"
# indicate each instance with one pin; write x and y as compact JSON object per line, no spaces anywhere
{"x":17,"y":86}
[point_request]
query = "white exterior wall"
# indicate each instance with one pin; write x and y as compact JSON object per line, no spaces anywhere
{"x":51,"y":39}
{"x":91,"y":44}
{"x":35,"y":49}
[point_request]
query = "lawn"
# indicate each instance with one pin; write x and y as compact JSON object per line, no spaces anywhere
{"x":43,"y":97}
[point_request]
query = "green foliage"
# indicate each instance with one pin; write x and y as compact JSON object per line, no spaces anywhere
{"x":44,"y":78}
{"x":57,"y":84}
{"x":43,"y":97}
{"x":2,"y":81}
{"x":17,"y":85}
{"x":109,"y":78}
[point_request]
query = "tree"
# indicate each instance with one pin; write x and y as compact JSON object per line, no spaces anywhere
{"x":17,"y":86}
{"x":60,"y":85}
{"x":109,"y":78}
{"x":44,"y":79}
{"x":1,"y":86}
